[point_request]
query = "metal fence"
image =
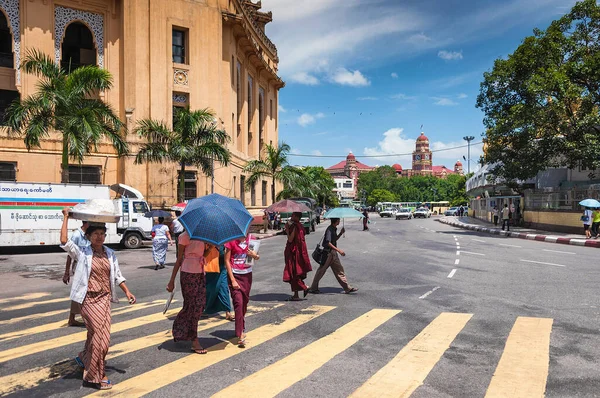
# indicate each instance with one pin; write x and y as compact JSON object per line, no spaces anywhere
{"x":559,"y":200}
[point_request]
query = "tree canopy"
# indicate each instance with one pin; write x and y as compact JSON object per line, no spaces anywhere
{"x":313,"y":182}
{"x":541,"y":104}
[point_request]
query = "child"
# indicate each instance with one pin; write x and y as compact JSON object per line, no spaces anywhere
{"x":240,"y":281}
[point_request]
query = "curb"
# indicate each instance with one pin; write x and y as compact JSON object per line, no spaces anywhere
{"x":266,"y":236}
{"x":523,"y":235}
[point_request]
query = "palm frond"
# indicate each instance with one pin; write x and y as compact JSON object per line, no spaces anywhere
{"x":154,"y":131}
{"x":88,"y":79}
{"x":153,"y":152}
{"x":40,"y":64}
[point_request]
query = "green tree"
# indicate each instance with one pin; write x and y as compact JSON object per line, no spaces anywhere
{"x":380,"y":195}
{"x":194,"y":140}
{"x":542,"y":103}
{"x":65,"y":103}
{"x":274,"y":166}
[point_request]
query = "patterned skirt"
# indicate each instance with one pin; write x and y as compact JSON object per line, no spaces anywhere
{"x":95,"y":312}
{"x":193,"y":289}
{"x":159,"y":250}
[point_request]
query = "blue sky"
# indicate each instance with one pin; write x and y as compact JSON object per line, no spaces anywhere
{"x":364,"y":75}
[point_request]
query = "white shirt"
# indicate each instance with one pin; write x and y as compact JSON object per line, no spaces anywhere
{"x":177,"y":227}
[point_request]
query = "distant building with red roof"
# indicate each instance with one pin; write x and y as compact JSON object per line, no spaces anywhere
{"x":349,"y":168}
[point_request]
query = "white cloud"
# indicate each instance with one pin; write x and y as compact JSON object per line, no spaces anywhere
{"x":450,"y":55}
{"x":306,"y":118}
{"x":295,"y":151}
{"x":349,"y":78}
{"x":316,"y":152}
{"x":419,"y":38}
{"x":394,"y":142}
{"x":394,"y":75}
{"x":401,"y":96}
{"x":367,"y":99}
{"x":304,"y":78}
{"x":462,"y":96}
{"x":443,"y":101}
{"x":321,"y":133}
{"x":449,"y":152}
{"x":281,"y":109}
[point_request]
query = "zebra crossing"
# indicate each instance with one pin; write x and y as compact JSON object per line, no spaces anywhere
{"x":522,"y":370}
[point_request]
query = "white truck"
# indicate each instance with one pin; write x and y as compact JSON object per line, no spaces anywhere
{"x":30,"y":213}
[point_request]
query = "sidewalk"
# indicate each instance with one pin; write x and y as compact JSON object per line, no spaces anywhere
{"x":519,"y":232}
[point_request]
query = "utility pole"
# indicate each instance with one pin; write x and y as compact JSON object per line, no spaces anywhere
{"x":468,"y":138}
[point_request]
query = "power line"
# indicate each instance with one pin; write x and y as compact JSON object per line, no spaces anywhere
{"x":381,"y":156}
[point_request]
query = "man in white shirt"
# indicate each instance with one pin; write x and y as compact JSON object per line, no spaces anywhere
{"x":505,"y":217}
{"x":177,"y":229}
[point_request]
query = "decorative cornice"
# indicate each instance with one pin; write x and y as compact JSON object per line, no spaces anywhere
{"x":247,"y":12}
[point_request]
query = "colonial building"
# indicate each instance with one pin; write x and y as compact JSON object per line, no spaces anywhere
{"x":349,"y":168}
{"x":162,"y":54}
{"x":422,"y":162}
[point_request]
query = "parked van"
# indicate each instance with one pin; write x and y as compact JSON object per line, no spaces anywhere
{"x":309,"y":219}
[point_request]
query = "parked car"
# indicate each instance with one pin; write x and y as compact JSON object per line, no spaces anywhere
{"x":422,"y":212}
{"x":388,"y":212}
{"x":451,"y":211}
{"x":404,"y":213}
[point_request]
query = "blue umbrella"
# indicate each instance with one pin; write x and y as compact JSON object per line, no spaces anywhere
{"x":343,"y":212}
{"x":590,"y":203}
{"x":158,"y":213}
{"x":215,"y":219}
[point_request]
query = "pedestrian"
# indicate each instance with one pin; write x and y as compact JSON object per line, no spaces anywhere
{"x":78,"y":237}
{"x":176,"y":230}
{"x":595,"y":223}
{"x":333,"y":260}
{"x":587,"y":222}
{"x":278,"y":221}
{"x":297,"y":261}
{"x":461,"y":211}
{"x":266,"y":221}
{"x":217,"y":289}
{"x":193,"y":289}
{"x":161,"y":238}
{"x":365,"y":220}
{"x":506,"y":218}
{"x":94,"y":287}
{"x":495,"y":215}
{"x":240,"y":282}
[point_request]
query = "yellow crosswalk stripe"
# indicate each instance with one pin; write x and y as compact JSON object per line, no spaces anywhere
{"x":33,"y":316}
{"x":523,"y":367}
{"x":34,"y":304}
{"x":63,"y":323}
{"x":32,"y":378}
{"x":275,"y":378}
{"x":407,"y":370}
{"x":190,"y":364}
{"x":29,"y":296}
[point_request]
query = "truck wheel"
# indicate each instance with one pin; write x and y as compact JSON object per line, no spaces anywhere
{"x":312,"y":226}
{"x":132,"y":240}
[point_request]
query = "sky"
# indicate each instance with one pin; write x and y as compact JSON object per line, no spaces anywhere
{"x":363,"y":76}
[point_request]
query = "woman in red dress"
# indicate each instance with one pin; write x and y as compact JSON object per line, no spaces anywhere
{"x":297,"y":261}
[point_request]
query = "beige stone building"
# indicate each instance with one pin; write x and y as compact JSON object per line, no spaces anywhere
{"x":162,"y":54}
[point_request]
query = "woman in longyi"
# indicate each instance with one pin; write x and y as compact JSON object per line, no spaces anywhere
{"x":94,"y":287}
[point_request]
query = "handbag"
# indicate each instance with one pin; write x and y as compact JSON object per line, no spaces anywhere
{"x":319,"y":254}
{"x":585,"y":218}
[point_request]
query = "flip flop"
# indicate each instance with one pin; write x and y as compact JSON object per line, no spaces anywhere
{"x":293,"y":299}
{"x":105,"y":385}
{"x":79,"y":362}
{"x":200,"y":350}
{"x":354,"y":289}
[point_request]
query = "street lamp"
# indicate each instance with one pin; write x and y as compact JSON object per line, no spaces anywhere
{"x":468,"y":138}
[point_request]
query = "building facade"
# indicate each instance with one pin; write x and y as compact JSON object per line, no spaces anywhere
{"x":349,"y":168}
{"x":162,"y":55}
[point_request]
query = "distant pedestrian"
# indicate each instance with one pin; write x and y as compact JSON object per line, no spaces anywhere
{"x":461,"y":211}
{"x":506,"y":218}
{"x":277,"y":221}
{"x":365,"y":220}
{"x":333,"y":260}
{"x":78,"y":237}
{"x":595,"y":223}
{"x":161,"y":237}
{"x":495,"y":215}
{"x":266,"y":221}
{"x":176,"y":230}
{"x":587,"y":222}
{"x":297,"y":261}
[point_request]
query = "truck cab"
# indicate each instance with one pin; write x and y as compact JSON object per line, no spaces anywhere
{"x":134,"y":227}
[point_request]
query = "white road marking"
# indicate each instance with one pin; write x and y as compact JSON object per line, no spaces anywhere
{"x":558,"y":251}
{"x":458,"y":252}
{"x":475,"y":254}
{"x":454,"y":236}
{"x":429,"y":292}
{"x":458,"y":247}
{"x":478,"y":240}
{"x":502,"y":244}
{"x":456,"y":261}
{"x":539,"y":262}
{"x":451,"y":274}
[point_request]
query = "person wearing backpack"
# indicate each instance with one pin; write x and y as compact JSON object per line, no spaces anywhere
{"x":587,"y":222}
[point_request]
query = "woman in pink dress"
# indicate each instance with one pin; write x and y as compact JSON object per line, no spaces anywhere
{"x":193,"y":288}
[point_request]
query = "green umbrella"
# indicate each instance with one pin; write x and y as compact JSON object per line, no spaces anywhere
{"x":343,"y":212}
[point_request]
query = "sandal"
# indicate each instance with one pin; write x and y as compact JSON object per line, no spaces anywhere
{"x":242,"y":342}
{"x":352,"y":290}
{"x":229,"y":317}
{"x":200,"y":350}
{"x":79,"y":362}
{"x":105,"y":385}
{"x":293,"y":299}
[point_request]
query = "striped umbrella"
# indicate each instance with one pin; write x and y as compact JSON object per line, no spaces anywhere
{"x":215,"y":219}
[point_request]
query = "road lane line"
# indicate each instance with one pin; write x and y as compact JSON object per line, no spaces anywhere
{"x":63,"y":323}
{"x":29,"y":296}
{"x":456,"y":261}
{"x":540,"y":262}
{"x":275,"y":378}
{"x":478,"y":240}
{"x":164,"y":375}
{"x":451,"y":274}
{"x":458,"y":252}
{"x":32,"y":378}
{"x":458,"y":247}
{"x":429,"y":292}
{"x":34,"y":316}
{"x":408,"y":370}
{"x":558,"y":251}
{"x":475,"y":254}
{"x":35,"y":304}
{"x":502,"y":244}
{"x":523,"y":367}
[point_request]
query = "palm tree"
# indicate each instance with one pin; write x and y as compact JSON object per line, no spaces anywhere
{"x":274,"y":166}
{"x":193,"y":141}
{"x":64,"y":103}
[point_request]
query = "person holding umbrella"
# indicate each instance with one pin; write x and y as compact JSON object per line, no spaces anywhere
{"x":297,"y":261}
{"x":161,"y":237}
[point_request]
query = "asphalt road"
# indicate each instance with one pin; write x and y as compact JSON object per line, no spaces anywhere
{"x":441,"y":312}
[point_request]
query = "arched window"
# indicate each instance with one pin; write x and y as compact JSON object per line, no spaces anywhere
{"x":6,"y":52}
{"x":77,"y":47}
